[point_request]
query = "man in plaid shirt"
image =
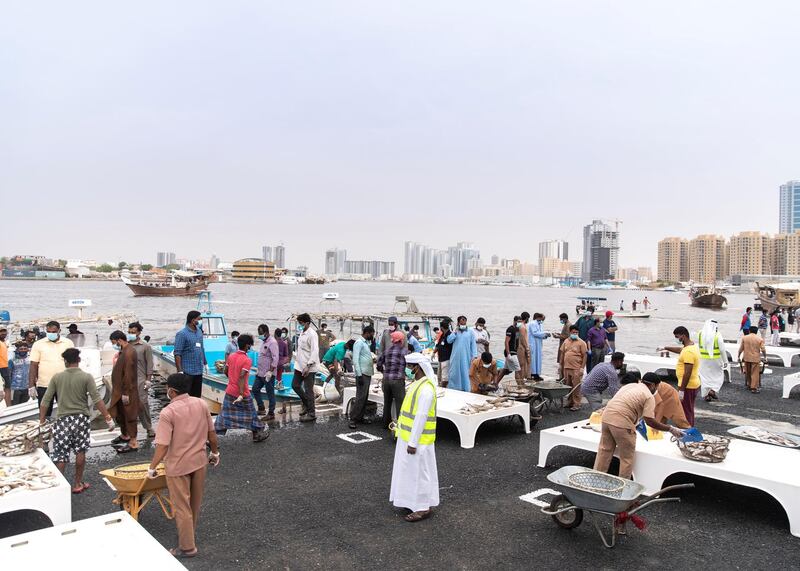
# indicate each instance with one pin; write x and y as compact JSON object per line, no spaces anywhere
{"x":393,"y":364}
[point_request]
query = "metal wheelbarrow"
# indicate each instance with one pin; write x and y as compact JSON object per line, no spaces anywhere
{"x":599,"y":494}
{"x":553,"y":394}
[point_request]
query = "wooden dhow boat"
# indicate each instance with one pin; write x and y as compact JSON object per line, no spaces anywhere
{"x":177,"y":285}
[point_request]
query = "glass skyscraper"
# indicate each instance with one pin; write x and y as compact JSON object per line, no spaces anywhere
{"x":789,"y":207}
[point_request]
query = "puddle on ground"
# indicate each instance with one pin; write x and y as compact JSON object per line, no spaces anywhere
{"x":736,"y":420}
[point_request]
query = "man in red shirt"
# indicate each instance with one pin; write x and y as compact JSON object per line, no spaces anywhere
{"x":237,"y":408}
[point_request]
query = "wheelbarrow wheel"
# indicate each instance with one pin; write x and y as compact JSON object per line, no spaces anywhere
{"x":569,"y":519}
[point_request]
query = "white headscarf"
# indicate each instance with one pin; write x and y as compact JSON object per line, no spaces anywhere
{"x":709,"y":333}
{"x":422,"y":361}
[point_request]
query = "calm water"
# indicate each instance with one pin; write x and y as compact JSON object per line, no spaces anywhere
{"x":245,"y":306}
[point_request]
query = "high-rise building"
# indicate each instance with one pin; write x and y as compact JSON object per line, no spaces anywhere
{"x":422,"y":260}
{"x":280,"y":256}
{"x":375,"y":268}
{"x":673,"y":260}
{"x":495,"y":259}
{"x":600,"y":250}
{"x":789,"y":216}
{"x":335,"y":261}
{"x":556,"y":249}
{"x":214,"y":262}
{"x":792,"y":267}
{"x":751,"y":254}
{"x":165,"y":259}
{"x":266,"y":253}
{"x":707,"y":259}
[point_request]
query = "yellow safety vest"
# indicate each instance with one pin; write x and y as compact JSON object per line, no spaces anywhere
{"x":703,"y":353}
{"x":409,"y":411}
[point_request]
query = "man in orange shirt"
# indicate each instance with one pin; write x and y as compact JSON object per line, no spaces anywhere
{"x":184,"y":427}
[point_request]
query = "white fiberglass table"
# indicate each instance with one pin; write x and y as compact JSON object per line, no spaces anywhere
{"x":782,"y":352}
{"x":790,"y":338}
{"x":54,"y":502}
{"x":650,"y":363}
{"x":447,"y":407}
{"x":790,"y":382}
{"x":124,"y":544}
{"x":772,"y":469}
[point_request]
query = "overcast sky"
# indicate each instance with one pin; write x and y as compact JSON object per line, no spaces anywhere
{"x":216,"y":127}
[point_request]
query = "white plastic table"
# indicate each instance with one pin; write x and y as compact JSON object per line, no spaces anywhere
{"x":784,"y":353}
{"x":789,"y":382}
{"x":790,"y":337}
{"x":762,"y":466}
{"x":68,"y":546}
{"x":55,"y":502}
{"x":447,"y":408}
{"x":650,"y":363}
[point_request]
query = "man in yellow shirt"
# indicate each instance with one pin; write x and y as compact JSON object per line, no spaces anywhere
{"x":688,"y":370}
{"x":46,"y":361}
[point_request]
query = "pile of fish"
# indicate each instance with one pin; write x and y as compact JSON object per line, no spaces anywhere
{"x":23,"y":437}
{"x":32,"y":476}
{"x":765,"y":436}
{"x":491,"y":404}
{"x":711,"y":449}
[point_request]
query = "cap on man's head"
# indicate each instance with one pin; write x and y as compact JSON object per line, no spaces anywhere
{"x":609,"y":313}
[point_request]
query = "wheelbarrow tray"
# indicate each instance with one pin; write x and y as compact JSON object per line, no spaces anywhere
{"x":552,"y":390}
{"x":134,"y":485}
{"x":595,"y":501}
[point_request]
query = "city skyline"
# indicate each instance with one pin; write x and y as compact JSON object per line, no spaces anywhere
{"x":286,"y":128}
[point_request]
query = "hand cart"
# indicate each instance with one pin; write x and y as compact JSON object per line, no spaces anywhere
{"x":600,"y":494}
{"x":135,"y":490}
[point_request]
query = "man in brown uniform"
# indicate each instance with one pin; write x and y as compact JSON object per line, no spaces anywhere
{"x":752,"y":346}
{"x":632,"y":402}
{"x":524,"y":349}
{"x":573,"y":360}
{"x":563,"y":336}
{"x":124,"y":405}
{"x":183,"y":429}
{"x":483,"y":374}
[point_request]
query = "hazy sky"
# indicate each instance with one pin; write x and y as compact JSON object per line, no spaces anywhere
{"x":216,"y":127}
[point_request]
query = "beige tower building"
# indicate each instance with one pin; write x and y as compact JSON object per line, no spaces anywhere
{"x":673,"y":260}
{"x":707,"y":259}
{"x":751,"y":253}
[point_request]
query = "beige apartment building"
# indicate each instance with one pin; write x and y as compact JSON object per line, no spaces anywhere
{"x":707,"y":258}
{"x":751,"y":253}
{"x":673,"y":260}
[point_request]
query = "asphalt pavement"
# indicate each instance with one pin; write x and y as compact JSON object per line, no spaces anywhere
{"x":307,"y":499}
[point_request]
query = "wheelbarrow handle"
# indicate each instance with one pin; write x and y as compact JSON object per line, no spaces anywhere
{"x":652,"y":501}
{"x":669,"y":489}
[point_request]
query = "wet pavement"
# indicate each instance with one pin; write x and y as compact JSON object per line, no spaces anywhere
{"x":306,"y":498}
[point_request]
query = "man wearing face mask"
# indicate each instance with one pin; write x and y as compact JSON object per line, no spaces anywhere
{"x":393,"y":363}
{"x":481,"y":335}
{"x":190,"y":354}
{"x":633,"y":402}
{"x":536,"y":337}
{"x":4,"y":373}
{"x":124,"y":406}
{"x":511,"y":364}
{"x":19,"y":369}
{"x":268,"y":358}
{"x":443,"y":351}
{"x":364,"y":369}
{"x":464,"y":351}
{"x":415,"y":479}
{"x":144,"y":374}
{"x":573,"y":360}
{"x":46,"y":361}
{"x":564,"y":335}
{"x":687,"y":370}
{"x":483,"y":374}
{"x":386,"y":336}
{"x":604,"y":378}
{"x":523,"y":349}
{"x":305,"y":367}
{"x":184,"y":427}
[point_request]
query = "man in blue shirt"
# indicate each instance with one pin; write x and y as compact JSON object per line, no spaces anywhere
{"x":363,"y":368}
{"x":190,"y":355}
{"x":611,"y":328}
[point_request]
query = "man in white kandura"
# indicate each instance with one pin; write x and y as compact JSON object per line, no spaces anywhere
{"x":415,"y":481}
{"x":713,"y":360}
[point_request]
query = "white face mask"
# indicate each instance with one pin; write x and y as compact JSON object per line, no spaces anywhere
{"x":486,"y":366}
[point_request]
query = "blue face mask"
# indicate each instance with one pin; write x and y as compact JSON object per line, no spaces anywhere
{"x":131,"y":337}
{"x":573,"y":336}
{"x":199,"y":324}
{"x":117,"y":348}
{"x":300,"y":328}
{"x":262,"y":337}
{"x":19,"y":355}
{"x":409,"y":373}
{"x":52,"y":336}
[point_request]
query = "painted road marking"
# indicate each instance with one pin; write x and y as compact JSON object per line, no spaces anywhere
{"x":358,"y":437}
{"x":532,"y":498}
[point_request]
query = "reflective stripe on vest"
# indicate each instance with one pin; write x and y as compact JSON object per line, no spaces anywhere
{"x":703,"y":353}
{"x":408,"y":413}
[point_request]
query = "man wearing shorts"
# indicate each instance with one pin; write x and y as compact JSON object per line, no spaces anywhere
{"x":71,"y":429}
{"x":511,"y":364}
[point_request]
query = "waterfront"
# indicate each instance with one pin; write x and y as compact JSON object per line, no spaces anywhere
{"x":245,"y":306}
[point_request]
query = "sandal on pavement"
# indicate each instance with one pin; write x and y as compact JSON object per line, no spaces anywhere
{"x":120,"y":440}
{"x":80,"y":489}
{"x":127,"y":448}
{"x":418,"y":516}
{"x":181,"y":554}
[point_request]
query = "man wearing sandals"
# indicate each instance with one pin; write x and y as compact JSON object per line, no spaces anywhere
{"x":124,"y":405}
{"x":415,"y":480}
{"x":71,"y":430}
{"x":751,"y":351}
{"x":183,"y":429}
